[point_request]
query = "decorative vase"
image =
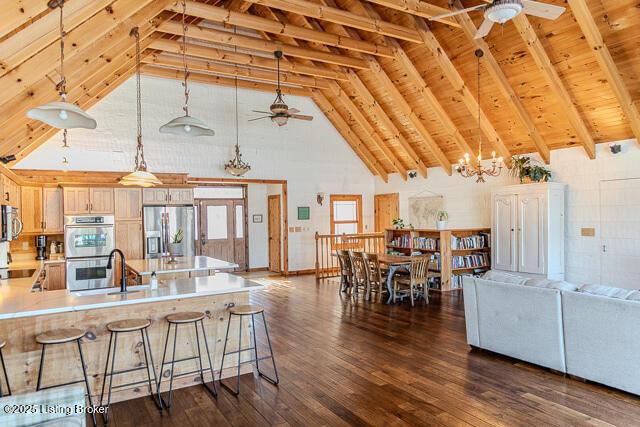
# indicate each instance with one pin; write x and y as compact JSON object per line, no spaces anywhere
{"x":175,"y":250}
{"x":441,"y":225}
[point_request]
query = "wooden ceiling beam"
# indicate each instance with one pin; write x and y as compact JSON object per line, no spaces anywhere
{"x":215,"y":54}
{"x":566,"y":101}
{"x":418,"y":8}
{"x":23,"y":44}
{"x":231,"y":17}
{"x":342,"y":17}
{"x":348,"y":134}
{"x":15,"y":15}
{"x":204,"y":66}
{"x":492,"y":66}
{"x":167,"y":73}
{"x":260,"y":45}
{"x":455,"y":79}
{"x":593,"y":36}
{"x":80,"y":37}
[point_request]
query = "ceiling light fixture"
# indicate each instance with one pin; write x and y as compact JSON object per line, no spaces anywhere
{"x":62,"y":114}
{"x":236,"y":166}
{"x":186,"y":125}
{"x":140,"y":177}
{"x":465,"y":168}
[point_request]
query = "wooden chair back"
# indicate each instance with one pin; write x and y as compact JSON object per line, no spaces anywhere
{"x":358,"y":267}
{"x":372,"y":265}
{"x":345,"y":263}
{"x":419,"y":269}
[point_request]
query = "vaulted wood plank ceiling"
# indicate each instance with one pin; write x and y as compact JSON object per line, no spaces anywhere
{"x":399,"y":88}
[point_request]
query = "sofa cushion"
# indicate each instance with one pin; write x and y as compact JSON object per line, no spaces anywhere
{"x":552,"y":284}
{"x":504,"y":277}
{"x":634,"y":296}
{"x":607,"y":291}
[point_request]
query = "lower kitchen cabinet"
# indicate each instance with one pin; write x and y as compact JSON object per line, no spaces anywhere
{"x":55,"y":277}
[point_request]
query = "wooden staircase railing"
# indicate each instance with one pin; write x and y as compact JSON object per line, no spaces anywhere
{"x":327,"y":244}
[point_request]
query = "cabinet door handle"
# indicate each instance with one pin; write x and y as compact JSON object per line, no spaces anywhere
{"x":87,"y":206}
{"x":6,"y":196}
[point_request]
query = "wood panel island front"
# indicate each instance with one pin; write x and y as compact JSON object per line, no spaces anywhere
{"x":25,"y":314}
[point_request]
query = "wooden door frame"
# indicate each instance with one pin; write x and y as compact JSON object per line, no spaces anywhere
{"x":218,"y":182}
{"x":375,"y":211}
{"x":245,"y":202}
{"x":269,"y":197}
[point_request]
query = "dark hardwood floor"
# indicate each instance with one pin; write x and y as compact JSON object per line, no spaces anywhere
{"x":346,"y":362}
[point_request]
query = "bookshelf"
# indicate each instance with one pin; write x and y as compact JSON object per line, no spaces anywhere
{"x":459,"y":252}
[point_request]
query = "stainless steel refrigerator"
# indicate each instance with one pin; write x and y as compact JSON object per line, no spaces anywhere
{"x":160,"y":225}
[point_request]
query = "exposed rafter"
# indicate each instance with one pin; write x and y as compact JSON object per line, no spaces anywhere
{"x":418,"y":8}
{"x":563,"y":96}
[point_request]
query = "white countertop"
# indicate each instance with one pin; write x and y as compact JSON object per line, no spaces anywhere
{"x":17,"y":301}
{"x":145,"y":267}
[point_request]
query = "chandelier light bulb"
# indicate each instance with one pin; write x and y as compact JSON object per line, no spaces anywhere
{"x":493,"y":154}
{"x":187,"y":128}
{"x":63,"y":115}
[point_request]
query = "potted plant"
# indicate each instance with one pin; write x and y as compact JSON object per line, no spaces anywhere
{"x":442,"y":217}
{"x":398,"y":223}
{"x":175,"y":247}
{"x":523,"y":168}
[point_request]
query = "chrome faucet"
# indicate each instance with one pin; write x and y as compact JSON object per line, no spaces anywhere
{"x":123,"y":276}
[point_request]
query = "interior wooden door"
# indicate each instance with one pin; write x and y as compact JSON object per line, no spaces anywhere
{"x":274,"y":233}
{"x":531,"y":237}
{"x":504,"y":247}
{"x":386,"y":209}
{"x":217,"y":233}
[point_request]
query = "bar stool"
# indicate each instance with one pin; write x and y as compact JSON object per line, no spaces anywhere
{"x":63,"y":336}
{"x":241,"y":311}
{"x":120,"y":327}
{"x":3,"y":343}
{"x":185,"y":318}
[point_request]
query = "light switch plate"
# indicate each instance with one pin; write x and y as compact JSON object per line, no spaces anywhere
{"x":588,"y":232}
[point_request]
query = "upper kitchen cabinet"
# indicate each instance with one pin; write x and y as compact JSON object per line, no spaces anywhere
{"x":10,"y":192}
{"x":128,"y":204}
{"x":88,"y":200}
{"x":31,"y":208}
{"x":155,"y":196}
{"x":181,"y":196}
{"x":41,"y":210}
{"x":167,"y":196}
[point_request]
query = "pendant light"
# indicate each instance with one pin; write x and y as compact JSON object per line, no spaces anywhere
{"x":186,"y":125}
{"x":62,"y":114}
{"x":236,"y":166}
{"x":465,"y":168}
{"x":140,"y":177}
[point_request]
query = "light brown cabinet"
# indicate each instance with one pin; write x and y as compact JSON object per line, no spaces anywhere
{"x":53,"y":217}
{"x":85,"y":200}
{"x":31,"y":209}
{"x":167,"y":196}
{"x":180,"y":196}
{"x":128,"y":204}
{"x":10,"y":192}
{"x":129,"y":241}
{"x":55,"y":277}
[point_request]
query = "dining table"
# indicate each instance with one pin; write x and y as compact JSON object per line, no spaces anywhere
{"x":395,"y":264}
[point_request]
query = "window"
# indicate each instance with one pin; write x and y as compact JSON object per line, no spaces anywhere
{"x":346,"y":214}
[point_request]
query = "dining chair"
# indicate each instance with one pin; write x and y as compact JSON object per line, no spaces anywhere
{"x":346,"y":273}
{"x":358,"y":266}
{"x":375,"y":273}
{"x":422,"y":268}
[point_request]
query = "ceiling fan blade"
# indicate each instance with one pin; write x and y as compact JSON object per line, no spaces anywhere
{"x":484,"y":29}
{"x":301,"y":117}
{"x":259,"y":118}
{"x":293,"y":111}
{"x":457,"y":12}
{"x":261,"y":112}
{"x":543,"y":10}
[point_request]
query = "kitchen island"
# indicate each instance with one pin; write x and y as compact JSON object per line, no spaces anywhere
{"x":25,"y":314}
{"x":139,"y":271}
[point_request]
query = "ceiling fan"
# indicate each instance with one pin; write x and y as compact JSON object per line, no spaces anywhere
{"x":501,"y":11}
{"x":280,"y":113}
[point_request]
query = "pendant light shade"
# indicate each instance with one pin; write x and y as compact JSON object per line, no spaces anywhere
{"x":62,"y":114}
{"x":140,"y":177}
{"x":186,"y":126}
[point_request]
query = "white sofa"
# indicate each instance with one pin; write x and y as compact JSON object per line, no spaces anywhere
{"x":589,"y":331}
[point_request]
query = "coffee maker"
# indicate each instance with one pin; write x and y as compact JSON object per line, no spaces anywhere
{"x":41,"y":247}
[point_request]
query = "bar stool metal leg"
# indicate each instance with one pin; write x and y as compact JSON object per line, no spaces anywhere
{"x":86,"y":383}
{"x":153,"y":368}
{"x":211,"y":389}
{"x":6,"y":377}
{"x":271,"y":356}
{"x":224,"y":349}
{"x":114,"y":337}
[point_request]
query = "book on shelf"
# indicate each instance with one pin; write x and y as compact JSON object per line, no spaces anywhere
{"x":401,"y":241}
{"x":477,"y":241}
{"x":470,"y":261}
{"x":429,"y":243}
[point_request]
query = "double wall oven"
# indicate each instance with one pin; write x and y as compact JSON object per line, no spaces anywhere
{"x":88,"y":241}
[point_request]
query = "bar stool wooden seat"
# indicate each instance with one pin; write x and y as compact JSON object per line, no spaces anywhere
{"x":185,"y":318}
{"x":3,"y":343}
{"x":122,"y":327}
{"x":241,"y":311}
{"x":58,"y":337}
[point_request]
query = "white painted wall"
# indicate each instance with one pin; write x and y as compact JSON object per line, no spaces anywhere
{"x":468,"y":203}
{"x":312,"y":157}
{"x":258,"y":232}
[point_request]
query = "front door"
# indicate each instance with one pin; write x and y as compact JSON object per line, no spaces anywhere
{"x":274,"y":233}
{"x":223,"y":230}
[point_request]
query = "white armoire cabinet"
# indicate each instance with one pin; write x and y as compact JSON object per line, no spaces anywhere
{"x":527,"y":229}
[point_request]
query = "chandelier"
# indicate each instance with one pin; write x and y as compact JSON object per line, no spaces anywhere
{"x":237,"y":166}
{"x":186,"y":125}
{"x":140,"y":177}
{"x":62,"y":114}
{"x":465,"y":167}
